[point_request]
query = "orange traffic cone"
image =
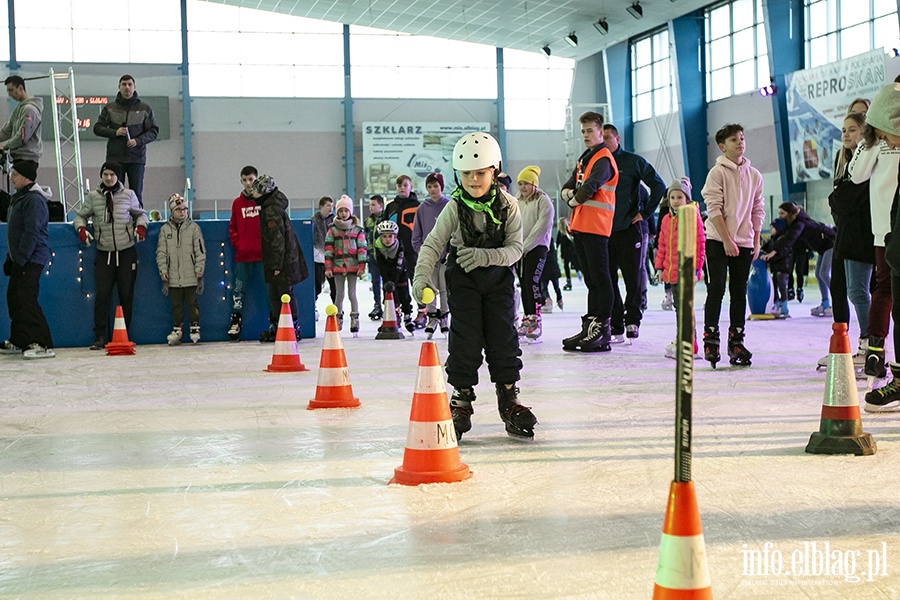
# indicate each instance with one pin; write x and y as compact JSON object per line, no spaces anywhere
{"x":682,"y":572}
{"x":333,"y":389}
{"x":119,"y":346}
{"x":389,"y":329}
{"x":840,"y":428}
{"x":431,"y":454}
{"x":285,"y":357}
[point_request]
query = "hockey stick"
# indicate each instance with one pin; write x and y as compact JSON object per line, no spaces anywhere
{"x":684,"y":356}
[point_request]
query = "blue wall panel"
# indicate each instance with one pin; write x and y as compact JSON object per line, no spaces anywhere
{"x":67,"y":289}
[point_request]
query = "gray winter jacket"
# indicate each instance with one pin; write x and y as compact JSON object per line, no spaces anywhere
{"x":22,"y":133}
{"x":181,"y":253}
{"x":112,"y":232}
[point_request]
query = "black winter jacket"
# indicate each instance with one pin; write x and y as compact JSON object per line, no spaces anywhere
{"x":280,"y":247}
{"x":818,"y":237}
{"x":852,"y":216}
{"x":138,"y":117}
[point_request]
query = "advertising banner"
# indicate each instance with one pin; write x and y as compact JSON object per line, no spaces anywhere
{"x":817,"y":101}
{"x":416,"y":149}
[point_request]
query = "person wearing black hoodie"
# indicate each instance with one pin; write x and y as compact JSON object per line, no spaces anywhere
{"x":402,"y":211}
{"x":129,"y":125}
{"x":283,"y":262}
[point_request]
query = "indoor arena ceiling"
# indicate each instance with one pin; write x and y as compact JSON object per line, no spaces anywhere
{"x":521,"y":24}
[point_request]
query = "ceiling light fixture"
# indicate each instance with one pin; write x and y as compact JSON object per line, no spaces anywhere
{"x":571,"y":39}
{"x":635,"y":10}
{"x":602,"y":26}
{"x":545,"y":50}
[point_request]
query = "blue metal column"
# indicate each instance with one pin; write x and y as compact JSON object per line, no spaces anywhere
{"x":687,"y":34}
{"x":617,"y":67}
{"x":188,"y":125}
{"x":13,"y":64}
{"x":349,"y":162}
{"x":784,"y":36}
{"x":501,"y":104}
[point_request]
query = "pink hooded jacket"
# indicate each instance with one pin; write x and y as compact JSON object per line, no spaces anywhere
{"x":736,"y":193}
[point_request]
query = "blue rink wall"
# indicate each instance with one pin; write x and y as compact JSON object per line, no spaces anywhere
{"x":67,"y":289}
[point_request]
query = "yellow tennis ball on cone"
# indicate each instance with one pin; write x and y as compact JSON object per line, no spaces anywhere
{"x":427,"y":296}
{"x":285,"y":298}
{"x":331,"y":310}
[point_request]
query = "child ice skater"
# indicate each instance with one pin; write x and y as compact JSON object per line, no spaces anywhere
{"x":779,"y":258}
{"x":426,"y":217}
{"x":181,"y":259}
{"x":666,"y":262}
{"x":484,"y":229}
{"x":393,"y":268}
{"x":345,"y":259}
{"x":734,"y":201}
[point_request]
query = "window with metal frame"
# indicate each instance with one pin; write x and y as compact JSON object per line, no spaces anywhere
{"x":652,"y":84}
{"x":536,"y":90}
{"x":838,"y":29}
{"x":737,"y":56}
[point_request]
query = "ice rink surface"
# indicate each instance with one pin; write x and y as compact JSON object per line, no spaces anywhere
{"x":189,"y":472}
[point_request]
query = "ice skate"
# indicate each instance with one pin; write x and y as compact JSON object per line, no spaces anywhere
{"x":619,"y":338}
{"x":711,"y":345}
{"x":887,"y":398}
{"x":37,"y":351}
{"x":445,"y":323}
{"x":668,"y":302}
{"x":874,"y":367}
{"x":340,"y":321}
{"x":632,"y":332}
{"x":547,"y":307}
{"x":531,"y":328}
{"x":560,"y":304}
{"x":409,"y":323}
{"x":98,"y":344}
{"x":461,"y":410}
{"x":519,"y":420}
{"x":738,"y":355}
{"x":174,"y":338}
{"x":195,"y":333}
{"x":234,"y":330}
{"x":354,"y":324}
{"x":421,"y":319}
{"x":7,"y":347}
{"x":432,"y":324}
{"x":376,"y":314}
{"x":268,"y":335}
{"x":671,"y":349}
{"x":567,"y":287}
{"x":571,"y":343}
{"x":597,"y":338}
{"x":821,"y":311}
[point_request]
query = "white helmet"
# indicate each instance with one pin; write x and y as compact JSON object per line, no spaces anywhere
{"x":387,"y":227}
{"x":477,"y":150}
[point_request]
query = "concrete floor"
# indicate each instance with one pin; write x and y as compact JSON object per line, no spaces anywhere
{"x":189,"y":472}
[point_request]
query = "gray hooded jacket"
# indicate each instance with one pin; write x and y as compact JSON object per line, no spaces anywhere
{"x":22,"y":133}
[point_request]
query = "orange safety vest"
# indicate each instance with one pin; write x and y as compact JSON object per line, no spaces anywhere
{"x":596,"y":215}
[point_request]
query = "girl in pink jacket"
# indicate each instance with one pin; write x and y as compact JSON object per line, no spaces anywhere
{"x":666,"y":263}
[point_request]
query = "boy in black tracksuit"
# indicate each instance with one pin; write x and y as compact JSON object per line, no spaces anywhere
{"x":484,"y":228}
{"x":392,"y":265}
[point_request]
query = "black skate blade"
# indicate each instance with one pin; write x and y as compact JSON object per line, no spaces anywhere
{"x":526,"y":435}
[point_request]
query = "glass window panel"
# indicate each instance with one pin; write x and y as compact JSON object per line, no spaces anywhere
{"x":513,"y":59}
{"x":742,"y":14}
{"x":745,"y":77}
{"x":85,"y":14}
{"x":153,"y":47}
{"x":475,"y":82}
{"x":720,"y":53}
{"x":762,"y":47}
{"x":662,"y":101}
{"x":161,"y":15}
{"x":818,"y":52}
{"x":661,"y":73}
{"x":560,"y":82}
{"x":643,"y":80}
{"x":206,"y":16}
{"x":818,"y":20}
{"x":762,"y":69}
{"x":855,"y":40}
{"x":642,"y":52}
{"x":720,"y":22}
{"x":374,"y":82}
{"x":318,"y":82}
{"x":50,"y":14}
{"x":94,"y":46}
{"x":643,"y":107}
{"x":883,"y":7}
{"x":720,"y":84}
{"x":275,"y":81}
{"x":885,"y":32}
{"x":743,"y":45}
{"x":267,"y":48}
{"x":44,"y":45}
{"x":853,"y":13}
{"x":215,"y":80}
{"x":319,"y":49}
{"x":214,"y":48}
{"x":661,"y":45}
{"x":529,"y":114}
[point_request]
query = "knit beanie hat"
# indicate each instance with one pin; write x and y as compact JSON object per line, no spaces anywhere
{"x":884,"y":113}
{"x":344,"y":202}
{"x":530,"y":175}
{"x":115,"y":167}
{"x":435,"y":178}
{"x":779,"y":225}
{"x":264,"y":184}
{"x":176,"y":201}
{"x":26,"y":168}
{"x":680,"y":185}
{"x":505,"y":180}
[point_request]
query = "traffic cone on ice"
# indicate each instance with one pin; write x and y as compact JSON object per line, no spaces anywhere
{"x":389,"y":329}
{"x":119,"y":346}
{"x":840,"y":428}
{"x":432,"y":453}
{"x":333,"y":389}
{"x":682,"y":572}
{"x":285,"y":357}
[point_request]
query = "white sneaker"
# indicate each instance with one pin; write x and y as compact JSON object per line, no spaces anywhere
{"x":38,"y":351}
{"x":7,"y":347}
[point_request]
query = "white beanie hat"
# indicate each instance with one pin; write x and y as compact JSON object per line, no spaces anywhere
{"x":884,"y":113}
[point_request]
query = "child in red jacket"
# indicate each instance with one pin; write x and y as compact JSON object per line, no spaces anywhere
{"x":678,"y":194}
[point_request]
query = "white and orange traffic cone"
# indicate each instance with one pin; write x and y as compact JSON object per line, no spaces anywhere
{"x":119,"y":346}
{"x":333,"y":389}
{"x":432,"y":453}
{"x":682,"y":572}
{"x":285,"y":357}
{"x":840,"y":427}
{"x":389,"y":329}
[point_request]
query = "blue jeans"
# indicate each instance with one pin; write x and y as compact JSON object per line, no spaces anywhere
{"x":135,"y":174}
{"x":823,"y":274}
{"x":375,"y":274}
{"x":244,"y":272}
